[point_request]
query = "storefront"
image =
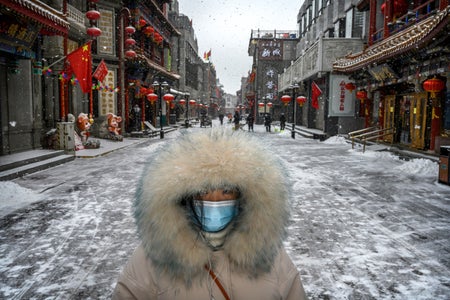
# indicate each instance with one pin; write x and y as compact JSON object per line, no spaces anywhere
{"x":23,"y":24}
{"x":405,"y":78}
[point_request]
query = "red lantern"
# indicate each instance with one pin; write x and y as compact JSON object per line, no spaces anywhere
{"x":261,"y":104}
{"x":130,"y":29}
{"x":182,"y":101}
{"x":301,"y":100}
{"x":361,"y":95}
{"x":130,"y":54}
{"x":130,"y":42}
{"x":269,"y":104}
{"x":192,"y":102}
{"x":433,"y":86}
{"x":94,"y":31}
{"x":93,"y":15}
{"x":172,"y":105}
{"x":350,"y":86}
{"x":168,"y":97}
{"x":286,"y":99}
{"x":143,"y":91}
{"x":142,"y":22}
{"x":149,"y":30}
{"x":152,"y":97}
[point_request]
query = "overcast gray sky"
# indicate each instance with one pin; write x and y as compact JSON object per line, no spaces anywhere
{"x":225,"y":26}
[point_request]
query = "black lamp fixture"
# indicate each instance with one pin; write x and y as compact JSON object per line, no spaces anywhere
{"x":294,"y":87}
{"x":162,"y":88}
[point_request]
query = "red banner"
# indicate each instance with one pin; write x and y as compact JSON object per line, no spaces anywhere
{"x":315,"y":93}
{"x":101,"y":71}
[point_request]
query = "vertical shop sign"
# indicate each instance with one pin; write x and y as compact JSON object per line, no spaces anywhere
{"x":342,"y":101}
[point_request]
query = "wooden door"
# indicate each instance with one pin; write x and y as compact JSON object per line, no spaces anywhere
{"x":389,"y":116}
{"x":418,"y":116}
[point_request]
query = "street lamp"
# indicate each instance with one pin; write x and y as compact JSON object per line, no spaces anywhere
{"x":164,"y":85}
{"x":186,"y":102}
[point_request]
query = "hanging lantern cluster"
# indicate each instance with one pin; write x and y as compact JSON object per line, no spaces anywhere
{"x":286,"y":99}
{"x":129,"y":41}
{"x":149,"y":31}
{"x":433,"y":86}
{"x":93,"y":15}
{"x":301,"y":100}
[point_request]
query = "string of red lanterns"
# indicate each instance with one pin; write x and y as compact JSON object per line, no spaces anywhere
{"x":93,"y":15}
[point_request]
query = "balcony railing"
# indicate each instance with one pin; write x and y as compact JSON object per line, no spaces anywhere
{"x":75,"y":16}
{"x":410,"y":18}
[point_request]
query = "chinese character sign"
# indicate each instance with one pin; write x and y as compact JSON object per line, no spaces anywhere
{"x":270,"y":49}
{"x":342,"y":100}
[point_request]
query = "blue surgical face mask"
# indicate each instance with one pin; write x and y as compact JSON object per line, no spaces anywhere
{"x":214,"y":216}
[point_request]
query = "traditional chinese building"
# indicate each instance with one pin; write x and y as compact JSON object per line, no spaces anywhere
{"x":24,"y":25}
{"x":401,"y":76}
{"x":272,"y":52}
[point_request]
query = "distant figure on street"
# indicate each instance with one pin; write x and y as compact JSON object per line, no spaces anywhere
{"x":236,"y":120}
{"x":218,"y":232}
{"x":282,"y":121}
{"x":221,"y":116}
{"x":267,"y":122}
{"x":136,"y":117}
{"x":250,"y":121}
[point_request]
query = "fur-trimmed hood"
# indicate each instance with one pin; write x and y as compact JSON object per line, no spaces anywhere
{"x":212,"y":158}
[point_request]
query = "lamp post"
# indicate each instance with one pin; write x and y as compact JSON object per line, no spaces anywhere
{"x":164,"y":85}
{"x":294,"y":88}
{"x":186,"y":119}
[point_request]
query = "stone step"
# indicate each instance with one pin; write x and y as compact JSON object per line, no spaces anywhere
{"x":16,"y":165}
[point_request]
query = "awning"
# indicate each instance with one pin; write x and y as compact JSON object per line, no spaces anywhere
{"x":53,"y":21}
{"x":401,"y":42}
{"x":158,"y":68}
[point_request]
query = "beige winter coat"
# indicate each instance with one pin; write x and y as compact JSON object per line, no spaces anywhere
{"x":252,"y":263}
{"x":139,"y":281}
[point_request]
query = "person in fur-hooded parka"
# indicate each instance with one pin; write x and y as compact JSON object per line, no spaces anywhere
{"x":177,"y":259}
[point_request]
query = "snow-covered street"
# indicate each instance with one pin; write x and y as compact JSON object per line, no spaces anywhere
{"x":364,"y":225}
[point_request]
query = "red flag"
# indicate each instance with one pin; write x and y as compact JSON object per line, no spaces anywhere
{"x":208,"y":54}
{"x":80,"y":62}
{"x":315,"y":93}
{"x":101,"y":71}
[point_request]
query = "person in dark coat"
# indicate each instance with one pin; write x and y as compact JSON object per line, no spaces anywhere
{"x":221,"y":116}
{"x":282,"y":122}
{"x":236,"y":120}
{"x":250,"y":121}
{"x":267,"y":122}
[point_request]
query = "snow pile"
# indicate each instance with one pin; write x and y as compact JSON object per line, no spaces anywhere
{"x":14,"y":197}
{"x":335,"y":140}
{"x":419,"y":166}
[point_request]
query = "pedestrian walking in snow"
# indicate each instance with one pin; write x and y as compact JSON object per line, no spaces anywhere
{"x":250,"y":121}
{"x":282,"y":121}
{"x":267,"y":122}
{"x":211,"y":223}
{"x":236,"y":120}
